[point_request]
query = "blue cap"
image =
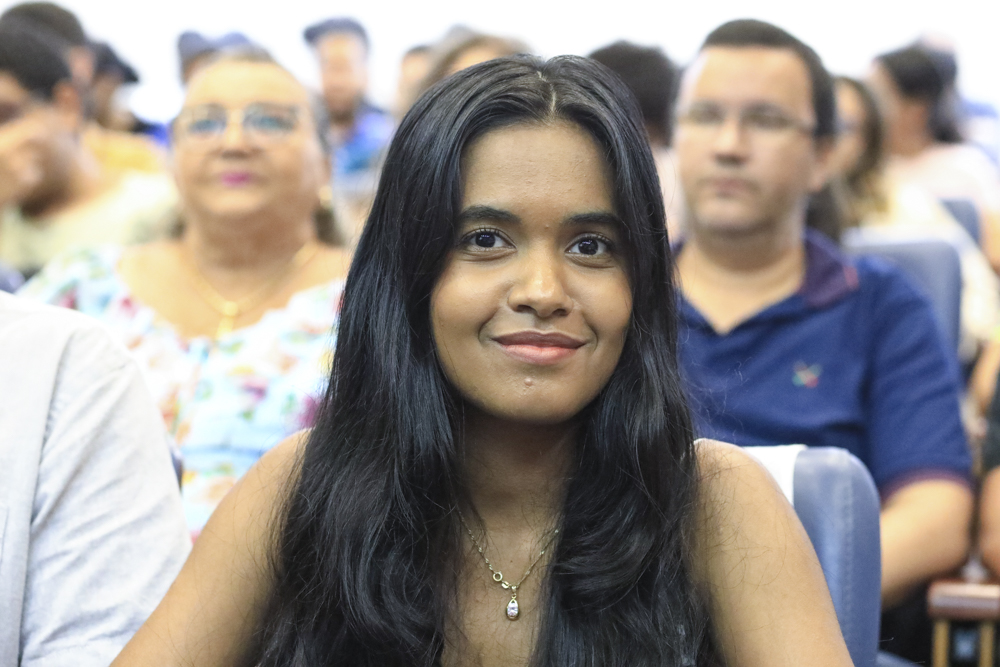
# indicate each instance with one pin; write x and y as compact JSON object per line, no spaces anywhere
{"x":191,"y":44}
{"x":314,"y":32}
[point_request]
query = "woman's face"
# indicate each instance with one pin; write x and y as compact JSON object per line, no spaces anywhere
{"x":850,"y":144}
{"x":245,"y":144}
{"x":531,"y":311}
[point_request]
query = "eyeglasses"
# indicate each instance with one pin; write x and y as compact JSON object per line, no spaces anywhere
{"x":262,"y":123}
{"x":761,"y":120}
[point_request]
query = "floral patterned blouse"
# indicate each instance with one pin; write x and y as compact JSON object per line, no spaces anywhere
{"x":226,"y":401}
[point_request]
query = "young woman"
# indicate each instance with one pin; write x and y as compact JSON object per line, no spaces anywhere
{"x":894,"y":210}
{"x":916,"y":91}
{"x":503,"y":471}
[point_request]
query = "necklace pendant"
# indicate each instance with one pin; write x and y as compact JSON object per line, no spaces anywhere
{"x":512,"y":609}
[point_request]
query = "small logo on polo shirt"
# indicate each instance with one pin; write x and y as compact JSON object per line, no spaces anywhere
{"x":806,"y":376}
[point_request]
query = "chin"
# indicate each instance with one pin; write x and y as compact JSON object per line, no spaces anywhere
{"x":537,"y":412}
{"x":726,"y":222}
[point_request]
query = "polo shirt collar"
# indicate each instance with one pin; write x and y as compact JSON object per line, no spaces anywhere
{"x":830,"y":276}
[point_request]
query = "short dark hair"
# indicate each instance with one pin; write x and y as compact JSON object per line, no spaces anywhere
{"x":651,"y":77}
{"x":745,"y":33}
{"x":52,"y":17}
{"x":29,"y":56}
{"x":929,"y":76}
{"x":337,"y":26}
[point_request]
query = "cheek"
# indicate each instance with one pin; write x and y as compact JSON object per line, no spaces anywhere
{"x":186,"y":170}
{"x":460,"y":306}
{"x":688,"y":153}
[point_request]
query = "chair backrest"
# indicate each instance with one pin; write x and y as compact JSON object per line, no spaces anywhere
{"x":965,"y":212}
{"x":933,"y":265}
{"x":835,"y":499}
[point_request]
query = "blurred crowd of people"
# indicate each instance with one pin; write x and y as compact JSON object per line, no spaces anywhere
{"x":216,"y":249}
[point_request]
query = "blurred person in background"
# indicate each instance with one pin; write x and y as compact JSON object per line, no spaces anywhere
{"x":195,"y":50}
{"x":461,"y":48}
{"x":111,"y":75}
{"x":115,"y":150}
{"x":787,"y":339}
{"x":118,"y":151}
{"x":359,"y":131}
{"x":232,"y":320}
{"x":73,"y":200}
{"x":652,"y":78}
{"x":915,"y":89}
{"x":413,"y":68}
{"x":64,"y":25}
{"x":893,"y":210}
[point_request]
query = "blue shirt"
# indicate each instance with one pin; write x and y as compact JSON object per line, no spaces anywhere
{"x":854,"y":359}
{"x":362,"y":149}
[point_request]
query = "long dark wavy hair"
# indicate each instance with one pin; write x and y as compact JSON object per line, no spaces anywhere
{"x":369,"y":543}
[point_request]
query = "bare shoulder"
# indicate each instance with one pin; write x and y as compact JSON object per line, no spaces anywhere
{"x":769,"y":600}
{"x":724,"y":468}
{"x":333,"y":263}
{"x":148,"y":264}
{"x":215,"y":605}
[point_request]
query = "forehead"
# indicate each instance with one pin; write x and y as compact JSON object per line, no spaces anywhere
{"x":553,"y":165}
{"x":11,"y":92}
{"x":340,"y":46}
{"x":743,"y":75}
{"x":236,"y":84}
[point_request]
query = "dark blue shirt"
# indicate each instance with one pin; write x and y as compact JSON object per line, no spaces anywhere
{"x":854,"y":359}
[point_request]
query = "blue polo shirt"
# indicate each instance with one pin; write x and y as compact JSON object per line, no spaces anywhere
{"x":854,"y":359}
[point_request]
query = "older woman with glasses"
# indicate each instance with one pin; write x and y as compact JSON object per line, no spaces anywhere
{"x":231,"y":320}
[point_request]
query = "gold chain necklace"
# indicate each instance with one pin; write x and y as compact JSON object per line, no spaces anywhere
{"x":513,"y":610}
{"x":229,"y":309}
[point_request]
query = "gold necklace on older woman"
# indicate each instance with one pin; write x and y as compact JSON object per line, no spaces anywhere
{"x":230,"y":309}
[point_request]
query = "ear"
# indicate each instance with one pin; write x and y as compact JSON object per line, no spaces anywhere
{"x":822,"y":162}
{"x":68,"y":105}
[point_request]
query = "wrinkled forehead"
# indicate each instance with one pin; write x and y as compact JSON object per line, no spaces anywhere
{"x":237,"y":84}
{"x":749,"y":75}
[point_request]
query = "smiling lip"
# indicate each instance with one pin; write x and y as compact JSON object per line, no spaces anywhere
{"x":235,"y":178}
{"x":536,"y":347}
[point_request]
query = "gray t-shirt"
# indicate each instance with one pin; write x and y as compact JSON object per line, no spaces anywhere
{"x":91,"y":527}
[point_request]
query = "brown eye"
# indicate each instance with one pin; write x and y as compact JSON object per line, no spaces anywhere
{"x":591,"y":246}
{"x":486,"y":239}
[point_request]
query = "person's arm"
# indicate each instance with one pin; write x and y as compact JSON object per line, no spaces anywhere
{"x":107,"y":532}
{"x":925,"y":532}
{"x":984,"y":377}
{"x":917,"y":449}
{"x":769,"y":600}
{"x":989,"y":520}
{"x":214,"y":606}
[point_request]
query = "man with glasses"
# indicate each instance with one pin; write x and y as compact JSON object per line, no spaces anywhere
{"x":785,"y":339}
{"x":63,"y":197}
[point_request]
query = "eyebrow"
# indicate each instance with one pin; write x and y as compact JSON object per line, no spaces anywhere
{"x":481,"y":213}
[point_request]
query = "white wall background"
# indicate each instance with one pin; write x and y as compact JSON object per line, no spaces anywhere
{"x":846,"y":33}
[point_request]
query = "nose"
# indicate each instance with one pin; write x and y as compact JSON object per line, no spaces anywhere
{"x":540,"y":287}
{"x":731,"y":140}
{"x":235,"y":136}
